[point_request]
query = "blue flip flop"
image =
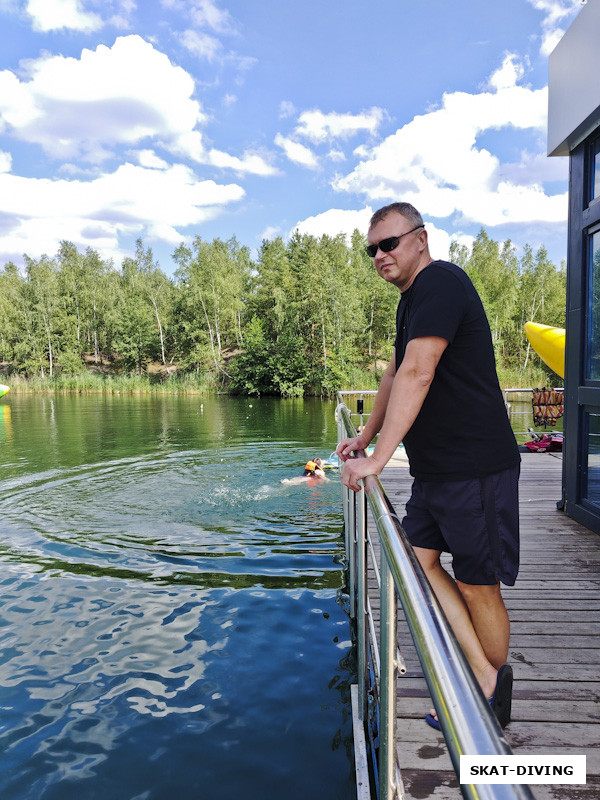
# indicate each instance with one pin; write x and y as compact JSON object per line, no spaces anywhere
{"x":500,"y":701}
{"x":431,"y":720}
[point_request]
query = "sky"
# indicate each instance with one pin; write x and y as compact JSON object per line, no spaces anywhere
{"x":170,"y":119}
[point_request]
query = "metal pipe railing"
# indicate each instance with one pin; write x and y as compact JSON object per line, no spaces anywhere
{"x":467,"y":721}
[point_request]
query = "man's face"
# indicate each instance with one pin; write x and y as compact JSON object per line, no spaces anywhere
{"x":401,"y":264}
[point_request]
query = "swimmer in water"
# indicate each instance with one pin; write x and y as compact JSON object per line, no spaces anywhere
{"x":313,"y":472}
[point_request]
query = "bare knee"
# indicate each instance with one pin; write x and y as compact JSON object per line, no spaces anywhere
{"x":480,"y":594}
{"x":428,"y":559}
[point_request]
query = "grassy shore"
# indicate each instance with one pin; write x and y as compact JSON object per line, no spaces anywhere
{"x":99,"y":383}
{"x":531,"y":378}
{"x":93,"y":383}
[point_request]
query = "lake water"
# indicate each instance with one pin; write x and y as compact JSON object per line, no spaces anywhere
{"x":172,"y":622}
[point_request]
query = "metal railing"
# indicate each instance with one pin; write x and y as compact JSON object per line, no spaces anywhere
{"x":467,"y":721}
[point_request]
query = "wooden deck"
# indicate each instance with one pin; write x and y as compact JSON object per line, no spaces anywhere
{"x":554,"y":650}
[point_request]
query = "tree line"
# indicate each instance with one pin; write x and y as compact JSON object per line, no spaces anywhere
{"x":306,"y":316}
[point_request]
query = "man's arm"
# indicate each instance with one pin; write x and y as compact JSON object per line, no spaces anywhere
{"x":376,"y":417}
{"x":408,"y":391}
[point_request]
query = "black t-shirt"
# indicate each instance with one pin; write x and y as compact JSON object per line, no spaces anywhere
{"x":462,"y":430}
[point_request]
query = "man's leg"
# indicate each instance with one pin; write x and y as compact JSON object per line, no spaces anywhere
{"x":490,"y":620}
{"x":459,"y":617}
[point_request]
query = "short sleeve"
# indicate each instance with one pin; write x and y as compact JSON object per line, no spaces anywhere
{"x":437,"y":305}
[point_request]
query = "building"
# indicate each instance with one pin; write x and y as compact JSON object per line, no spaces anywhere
{"x":574,"y":131}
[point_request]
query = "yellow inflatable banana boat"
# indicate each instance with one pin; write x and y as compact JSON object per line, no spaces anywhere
{"x":3,"y":389}
{"x":549,"y":344}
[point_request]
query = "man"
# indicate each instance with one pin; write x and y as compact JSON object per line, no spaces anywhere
{"x":440,"y":396}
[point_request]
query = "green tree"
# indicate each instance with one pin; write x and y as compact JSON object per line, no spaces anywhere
{"x":48,"y":322}
{"x":135,"y":329}
{"x":494,"y":272}
{"x":212,"y":278}
{"x":11,"y":299}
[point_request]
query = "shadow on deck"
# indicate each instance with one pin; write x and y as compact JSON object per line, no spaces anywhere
{"x":555,"y":646}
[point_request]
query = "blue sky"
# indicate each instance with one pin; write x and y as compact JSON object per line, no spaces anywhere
{"x":167,"y":119}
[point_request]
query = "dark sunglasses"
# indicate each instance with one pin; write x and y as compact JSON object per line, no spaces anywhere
{"x":386,"y":245}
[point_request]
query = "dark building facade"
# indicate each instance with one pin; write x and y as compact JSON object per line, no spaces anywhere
{"x":574,"y":131}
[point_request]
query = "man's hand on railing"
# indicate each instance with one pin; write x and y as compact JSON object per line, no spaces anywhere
{"x":356,"y":465}
{"x":357,"y":468}
{"x":347,"y":447}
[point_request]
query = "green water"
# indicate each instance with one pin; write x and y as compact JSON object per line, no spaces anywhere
{"x":172,"y":621}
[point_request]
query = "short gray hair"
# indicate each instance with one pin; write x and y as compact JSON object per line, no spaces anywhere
{"x":406,"y":210}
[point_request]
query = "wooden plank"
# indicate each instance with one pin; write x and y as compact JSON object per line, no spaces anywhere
{"x":428,"y":755}
{"x":413,"y":685}
{"x":554,"y":649}
{"x":543,"y":711}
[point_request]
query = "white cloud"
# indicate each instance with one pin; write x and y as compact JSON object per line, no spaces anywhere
{"x":131,"y":201}
{"x":5,"y":161}
{"x":149,"y":159}
{"x":191,"y":145}
{"x":535,"y":168}
{"x":251,"y":163}
{"x":509,"y":74}
{"x":270,"y":232}
{"x":207,"y":14}
{"x":555,"y":12}
{"x":202,"y":45}
{"x":286,"y":109}
{"x":435,"y":163}
{"x":319,"y":127}
{"x":79,"y":107}
{"x":84,"y":108}
{"x":51,"y":15}
{"x":335,"y":221}
{"x":440,"y":241}
{"x":297,"y":153}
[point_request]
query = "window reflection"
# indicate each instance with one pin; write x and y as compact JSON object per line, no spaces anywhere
{"x":592,"y":473}
{"x":594,"y":309}
{"x":596,"y":170}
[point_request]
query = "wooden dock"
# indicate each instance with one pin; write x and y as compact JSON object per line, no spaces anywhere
{"x":554,"y":649}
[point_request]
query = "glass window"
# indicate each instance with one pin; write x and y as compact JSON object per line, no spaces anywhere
{"x":591,"y":475}
{"x":595,"y":187}
{"x":593,"y":365}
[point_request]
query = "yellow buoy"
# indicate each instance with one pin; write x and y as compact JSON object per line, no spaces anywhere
{"x":549,"y":344}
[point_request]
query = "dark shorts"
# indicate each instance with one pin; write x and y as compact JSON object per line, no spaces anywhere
{"x":477,"y":521}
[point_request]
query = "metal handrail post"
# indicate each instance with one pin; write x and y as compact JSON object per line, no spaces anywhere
{"x":351,"y":554}
{"x":361,"y":611}
{"x":345,"y":492}
{"x":387,"y":706}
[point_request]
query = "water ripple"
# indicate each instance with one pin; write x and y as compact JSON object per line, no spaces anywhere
{"x":171,"y":623}
{"x":182,"y":517}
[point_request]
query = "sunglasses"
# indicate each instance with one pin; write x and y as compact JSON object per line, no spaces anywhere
{"x":387,"y":245}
